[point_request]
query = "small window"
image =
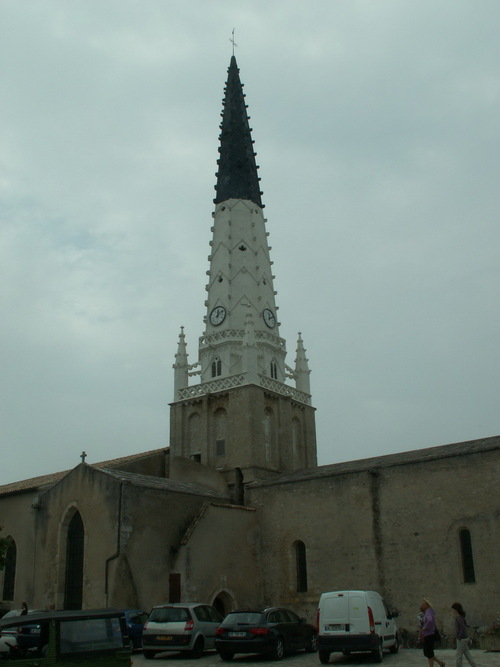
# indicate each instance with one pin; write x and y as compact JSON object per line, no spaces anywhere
{"x":216,"y":367}
{"x":220,"y":447}
{"x":301,"y":566}
{"x":196,"y":457}
{"x":274,"y":369}
{"x":467,"y":557}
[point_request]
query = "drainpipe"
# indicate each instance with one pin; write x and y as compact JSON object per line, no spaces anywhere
{"x":118,"y":546}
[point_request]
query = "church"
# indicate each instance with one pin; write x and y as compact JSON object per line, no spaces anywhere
{"x":236,"y":511}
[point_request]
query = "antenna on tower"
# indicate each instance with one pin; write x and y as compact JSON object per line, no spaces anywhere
{"x":231,"y":39}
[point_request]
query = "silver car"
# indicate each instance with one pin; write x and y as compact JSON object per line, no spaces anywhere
{"x":183,"y":626}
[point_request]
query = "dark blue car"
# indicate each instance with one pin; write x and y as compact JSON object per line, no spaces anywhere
{"x":135,"y":619}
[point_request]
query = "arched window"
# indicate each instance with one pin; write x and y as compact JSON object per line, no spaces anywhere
{"x":274,"y":369}
{"x":301,"y":566}
{"x":268,"y":433}
{"x":297,"y":441}
{"x":73,"y":582}
{"x":216,"y":367}
{"x":194,"y":434}
{"x":220,"y":432}
{"x":467,"y":556}
{"x":9,"y":577}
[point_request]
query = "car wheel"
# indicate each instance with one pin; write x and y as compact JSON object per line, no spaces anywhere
{"x":378,"y":653}
{"x":395,"y":647}
{"x":312,"y":644}
{"x":279,"y":649}
{"x":149,"y":654}
{"x":197,"y":651}
{"x":226,"y":655}
{"x":324,"y":657}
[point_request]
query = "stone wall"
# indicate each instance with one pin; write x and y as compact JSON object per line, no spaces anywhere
{"x":390,"y":524}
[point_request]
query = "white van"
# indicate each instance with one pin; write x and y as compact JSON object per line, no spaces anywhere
{"x":351,"y":621}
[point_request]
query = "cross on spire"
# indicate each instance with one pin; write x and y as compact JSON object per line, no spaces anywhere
{"x":231,"y":39}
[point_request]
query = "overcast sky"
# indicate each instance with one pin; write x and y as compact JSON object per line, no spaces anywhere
{"x":376,"y":126}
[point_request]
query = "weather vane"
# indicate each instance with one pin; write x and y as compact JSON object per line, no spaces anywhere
{"x":231,"y":39}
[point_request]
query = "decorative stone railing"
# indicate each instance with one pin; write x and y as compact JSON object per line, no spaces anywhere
{"x":237,"y":335}
{"x":223,"y":384}
{"x":284,"y":390}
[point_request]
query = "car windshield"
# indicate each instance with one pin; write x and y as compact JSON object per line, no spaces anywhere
{"x":244,"y":618}
{"x":169,"y":615}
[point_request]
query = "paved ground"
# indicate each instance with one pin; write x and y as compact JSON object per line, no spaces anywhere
{"x":405,"y":658}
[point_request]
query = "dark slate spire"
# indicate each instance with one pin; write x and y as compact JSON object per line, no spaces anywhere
{"x":237,"y":176}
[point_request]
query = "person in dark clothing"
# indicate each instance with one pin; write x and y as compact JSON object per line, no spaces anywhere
{"x":462,"y":637}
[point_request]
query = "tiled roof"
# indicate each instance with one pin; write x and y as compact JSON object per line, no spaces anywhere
{"x":389,"y":460}
{"x":162,"y":483}
{"x":45,"y":481}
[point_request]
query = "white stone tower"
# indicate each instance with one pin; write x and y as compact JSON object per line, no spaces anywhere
{"x":241,"y":415}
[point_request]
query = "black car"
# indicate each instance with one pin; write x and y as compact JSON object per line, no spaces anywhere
{"x":273,"y":631}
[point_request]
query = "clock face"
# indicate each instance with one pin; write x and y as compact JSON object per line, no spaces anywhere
{"x":218,"y":315}
{"x":269,"y":317}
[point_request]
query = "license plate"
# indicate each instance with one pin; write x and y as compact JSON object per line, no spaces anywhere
{"x":334,"y":627}
{"x":237,"y":634}
{"x":168,"y":638}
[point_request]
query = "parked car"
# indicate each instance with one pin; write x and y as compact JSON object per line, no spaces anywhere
{"x":91,"y":638}
{"x":273,"y":631}
{"x":350,"y":621}
{"x":135,"y":619}
{"x":8,"y":640}
{"x":28,"y":636}
{"x":180,"y":627}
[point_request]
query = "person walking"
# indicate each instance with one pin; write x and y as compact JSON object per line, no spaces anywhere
{"x":428,"y":632}
{"x":461,"y":634}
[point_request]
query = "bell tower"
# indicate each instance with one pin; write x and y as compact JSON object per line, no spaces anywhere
{"x":242,"y":415}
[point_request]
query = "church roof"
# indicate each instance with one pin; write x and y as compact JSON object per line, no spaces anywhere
{"x":162,"y":483}
{"x":237,"y":175}
{"x":45,"y":481}
{"x":373,"y":464}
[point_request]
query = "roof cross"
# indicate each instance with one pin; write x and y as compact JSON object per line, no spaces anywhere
{"x":231,"y":39}
{"x":83,"y":456}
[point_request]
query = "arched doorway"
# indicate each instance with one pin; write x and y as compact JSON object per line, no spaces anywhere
{"x":224,"y":602}
{"x":73,"y":579}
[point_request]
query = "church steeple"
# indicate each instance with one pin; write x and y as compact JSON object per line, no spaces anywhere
{"x":237,"y":175}
{"x":242,"y":414}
